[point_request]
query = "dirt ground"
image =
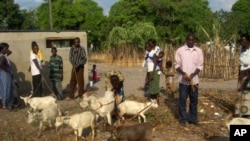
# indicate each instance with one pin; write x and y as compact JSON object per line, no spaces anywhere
{"x":215,"y":102}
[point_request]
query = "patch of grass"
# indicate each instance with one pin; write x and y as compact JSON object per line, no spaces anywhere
{"x":164,"y":116}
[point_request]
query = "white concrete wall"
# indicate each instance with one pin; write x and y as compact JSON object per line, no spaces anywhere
{"x":20,"y":45}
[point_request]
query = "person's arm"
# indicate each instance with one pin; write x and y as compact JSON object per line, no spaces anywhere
{"x":196,"y":72}
{"x":199,"y":66}
{"x":184,"y":75}
{"x":71,"y":55}
{"x":83,"y":57}
{"x":61,"y":67}
{"x":37,"y":65}
{"x":2,"y":60}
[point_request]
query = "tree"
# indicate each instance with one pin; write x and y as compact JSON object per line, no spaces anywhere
{"x":171,"y":18}
{"x":241,"y":14}
{"x":228,"y":24}
{"x":10,"y":15}
{"x":73,"y":15}
{"x":30,"y":21}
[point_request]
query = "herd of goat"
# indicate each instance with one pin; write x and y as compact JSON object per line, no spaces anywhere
{"x":46,"y":109}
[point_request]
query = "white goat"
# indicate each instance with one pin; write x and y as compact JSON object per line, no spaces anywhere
{"x":103,"y":105}
{"x":48,"y":115}
{"x":135,"y":108}
{"x":38,"y":103}
{"x":78,"y":122}
{"x":237,"y":121}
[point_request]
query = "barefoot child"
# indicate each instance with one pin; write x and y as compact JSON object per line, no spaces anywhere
{"x":94,"y":72}
{"x":169,"y":78}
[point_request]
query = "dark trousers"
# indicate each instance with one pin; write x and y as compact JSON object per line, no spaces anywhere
{"x":37,"y":85}
{"x":57,"y":88}
{"x":77,"y":77}
{"x":186,"y":91}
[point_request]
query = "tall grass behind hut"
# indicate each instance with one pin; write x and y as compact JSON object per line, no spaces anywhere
{"x":218,"y":64}
{"x":217,"y":61}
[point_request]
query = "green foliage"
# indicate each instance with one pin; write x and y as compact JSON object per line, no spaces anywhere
{"x":132,"y":22}
{"x":10,"y":15}
{"x":241,"y":14}
{"x":135,"y":35}
{"x":43,"y":16}
{"x":228,"y":24}
{"x":172,"y":19}
{"x":30,"y":21}
{"x":73,"y":15}
{"x":118,"y":36}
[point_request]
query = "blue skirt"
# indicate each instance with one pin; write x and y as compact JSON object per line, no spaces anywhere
{"x":6,"y":89}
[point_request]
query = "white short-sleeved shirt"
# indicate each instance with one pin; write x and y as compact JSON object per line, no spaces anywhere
{"x":245,"y":60}
{"x":150,"y":61}
{"x":34,"y":69}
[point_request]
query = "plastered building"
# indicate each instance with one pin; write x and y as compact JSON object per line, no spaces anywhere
{"x":20,"y":45}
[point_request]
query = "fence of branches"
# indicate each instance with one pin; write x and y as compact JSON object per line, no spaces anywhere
{"x":219,"y":63}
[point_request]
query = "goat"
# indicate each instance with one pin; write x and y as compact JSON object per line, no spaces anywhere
{"x":38,"y":103}
{"x":103,"y":105}
{"x":48,"y":115}
{"x":78,"y":122}
{"x":135,"y":108}
{"x":237,"y":121}
{"x":133,"y":132}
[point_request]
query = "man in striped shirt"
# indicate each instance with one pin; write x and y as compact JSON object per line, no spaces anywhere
{"x":78,"y":59}
{"x":56,"y":73}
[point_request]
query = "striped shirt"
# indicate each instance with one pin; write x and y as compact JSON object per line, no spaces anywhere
{"x":77,"y":56}
{"x":56,"y":68}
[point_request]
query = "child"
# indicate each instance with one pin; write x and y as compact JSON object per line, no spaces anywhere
{"x":117,"y":88}
{"x":169,"y":78}
{"x":159,"y":62}
{"x":94,"y":72}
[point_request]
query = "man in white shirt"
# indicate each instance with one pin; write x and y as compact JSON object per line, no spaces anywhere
{"x":36,"y":68}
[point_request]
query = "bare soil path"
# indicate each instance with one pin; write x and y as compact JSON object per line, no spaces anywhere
{"x":215,"y":97}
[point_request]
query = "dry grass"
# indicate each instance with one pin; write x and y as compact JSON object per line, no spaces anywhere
{"x":217,"y":61}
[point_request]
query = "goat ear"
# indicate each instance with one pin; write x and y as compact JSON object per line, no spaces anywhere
{"x":30,"y":95}
{"x":22,"y":97}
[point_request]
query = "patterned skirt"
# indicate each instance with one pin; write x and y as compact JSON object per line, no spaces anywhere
{"x":154,"y":85}
{"x":242,"y":103}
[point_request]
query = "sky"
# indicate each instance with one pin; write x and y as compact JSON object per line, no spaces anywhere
{"x":215,"y":5}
